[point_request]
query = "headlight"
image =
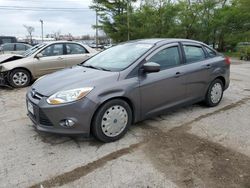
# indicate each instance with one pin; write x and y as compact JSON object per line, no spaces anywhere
{"x":62,"y":97}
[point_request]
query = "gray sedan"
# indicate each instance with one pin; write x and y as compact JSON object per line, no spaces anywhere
{"x":125,"y":84}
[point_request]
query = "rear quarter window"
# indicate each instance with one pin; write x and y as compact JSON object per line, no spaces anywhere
{"x":210,"y":52}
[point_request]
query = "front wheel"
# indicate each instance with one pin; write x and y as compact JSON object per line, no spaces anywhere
{"x":19,"y":78}
{"x":112,"y":120}
{"x":214,"y":93}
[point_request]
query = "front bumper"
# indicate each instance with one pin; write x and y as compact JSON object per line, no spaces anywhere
{"x":47,"y":117}
{"x":3,"y":79}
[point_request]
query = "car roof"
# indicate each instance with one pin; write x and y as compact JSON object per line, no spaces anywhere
{"x":91,"y":50}
{"x":15,"y":43}
{"x":160,"y":41}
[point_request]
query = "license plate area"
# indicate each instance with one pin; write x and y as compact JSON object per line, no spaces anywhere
{"x":30,"y":108}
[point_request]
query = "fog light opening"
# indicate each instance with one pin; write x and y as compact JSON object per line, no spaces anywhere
{"x":67,"y":123}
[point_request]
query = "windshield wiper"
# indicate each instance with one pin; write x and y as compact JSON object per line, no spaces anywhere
{"x":93,"y":67}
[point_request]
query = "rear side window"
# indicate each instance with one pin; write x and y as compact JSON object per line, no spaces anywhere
{"x":75,"y":49}
{"x":166,"y":58}
{"x":8,"y":47}
{"x":194,"y":53}
{"x":210,"y":52}
{"x":20,"y":47}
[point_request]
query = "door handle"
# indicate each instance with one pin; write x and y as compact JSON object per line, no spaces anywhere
{"x":208,"y":66}
{"x":177,"y":74}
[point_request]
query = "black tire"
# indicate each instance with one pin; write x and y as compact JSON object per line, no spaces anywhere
{"x":22,"y":72}
{"x":208,"y":100}
{"x":99,"y":115}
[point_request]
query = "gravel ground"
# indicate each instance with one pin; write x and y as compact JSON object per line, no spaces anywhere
{"x":189,"y":147}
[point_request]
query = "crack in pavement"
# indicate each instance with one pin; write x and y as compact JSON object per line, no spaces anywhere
{"x":79,"y":172}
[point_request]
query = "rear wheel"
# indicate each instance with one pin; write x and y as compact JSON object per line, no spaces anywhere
{"x":112,"y":120}
{"x":215,"y":93}
{"x":19,"y":78}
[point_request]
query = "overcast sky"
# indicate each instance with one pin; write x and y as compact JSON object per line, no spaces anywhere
{"x":75,"y":22}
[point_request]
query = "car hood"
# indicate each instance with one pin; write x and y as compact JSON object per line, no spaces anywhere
{"x":71,"y":78}
{"x":4,"y":58}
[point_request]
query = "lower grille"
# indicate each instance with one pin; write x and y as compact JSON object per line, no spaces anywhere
{"x":43,"y":119}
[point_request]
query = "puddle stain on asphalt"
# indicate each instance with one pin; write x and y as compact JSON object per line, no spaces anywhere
{"x":191,"y":161}
{"x":86,"y":169}
{"x":184,"y":158}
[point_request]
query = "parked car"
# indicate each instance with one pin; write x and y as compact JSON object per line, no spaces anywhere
{"x":7,"y":39}
{"x":14,"y":48}
{"x":45,"y":58}
{"x":244,"y":50}
{"x":125,"y":84}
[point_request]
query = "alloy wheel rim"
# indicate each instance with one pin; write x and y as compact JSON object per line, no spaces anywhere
{"x":20,"y":78}
{"x":216,"y":93}
{"x":114,"y":121}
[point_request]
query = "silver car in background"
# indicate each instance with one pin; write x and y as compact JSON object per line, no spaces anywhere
{"x":126,"y":84}
{"x":14,"y":48}
{"x":20,"y":70}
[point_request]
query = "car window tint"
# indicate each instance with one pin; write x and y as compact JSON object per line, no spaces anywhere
{"x":166,"y":58}
{"x":53,"y":50}
{"x":194,"y":53}
{"x":210,"y":52}
{"x":20,"y":47}
{"x":8,"y":47}
{"x":75,"y":49}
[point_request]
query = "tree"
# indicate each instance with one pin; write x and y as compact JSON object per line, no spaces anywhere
{"x":218,"y":22}
{"x":30,"y":30}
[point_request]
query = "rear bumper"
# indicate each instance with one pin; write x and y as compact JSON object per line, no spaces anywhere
{"x":48,"y":118}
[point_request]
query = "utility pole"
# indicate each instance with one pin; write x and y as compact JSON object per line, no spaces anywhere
{"x":42,"y":28}
{"x":128,"y":25}
{"x":96,"y":38}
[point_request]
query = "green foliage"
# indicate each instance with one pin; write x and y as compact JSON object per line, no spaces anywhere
{"x":218,"y":22}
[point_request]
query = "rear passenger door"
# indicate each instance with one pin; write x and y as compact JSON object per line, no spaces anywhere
{"x":197,"y":72}
{"x":75,"y":54}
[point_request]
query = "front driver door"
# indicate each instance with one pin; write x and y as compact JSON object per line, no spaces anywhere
{"x":51,"y":61}
{"x":166,"y":88}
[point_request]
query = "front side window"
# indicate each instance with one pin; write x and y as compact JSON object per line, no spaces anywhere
{"x":8,"y":47}
{"x":75,"y":49}
{"x":118,"y":57}
{"x":194,"y":53}
{"x":20,"y":47}
{"x":53,"y":50}
{"x":167,"y":58}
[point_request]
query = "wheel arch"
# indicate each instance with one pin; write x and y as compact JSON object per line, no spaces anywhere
{"x":31,"y":76}
{"x":222,"y":79}
{"x":126,"y":99}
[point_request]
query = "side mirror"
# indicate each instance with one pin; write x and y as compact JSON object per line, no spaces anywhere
{"x":151,"y":67}
{"x":38,"y":56}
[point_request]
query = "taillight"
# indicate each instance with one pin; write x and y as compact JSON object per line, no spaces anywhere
{"x":227,"y":61}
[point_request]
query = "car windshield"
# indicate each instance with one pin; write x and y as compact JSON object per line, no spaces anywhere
{"x":118,"y":57}
{"x":32,"y":50}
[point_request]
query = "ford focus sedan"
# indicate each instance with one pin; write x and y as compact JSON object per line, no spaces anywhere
{"x":125,"y":84}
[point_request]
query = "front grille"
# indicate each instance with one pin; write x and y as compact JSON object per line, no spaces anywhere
{"x":43,"y":119}
{"x":36,"y":95}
